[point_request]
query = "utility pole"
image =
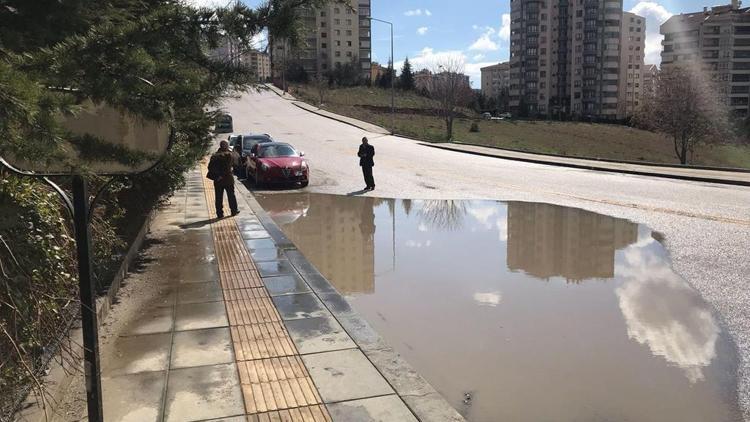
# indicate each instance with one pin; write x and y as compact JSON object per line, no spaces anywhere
{"x":393,"y":78}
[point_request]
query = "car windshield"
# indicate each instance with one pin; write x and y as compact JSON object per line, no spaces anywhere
{"x":278,"y":151}
{"x":248,"y":142}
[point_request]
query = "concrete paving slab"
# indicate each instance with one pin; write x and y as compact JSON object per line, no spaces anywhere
{"x":299,"y":306}
{"x":134,"y":397}
{"x":345,"y":375}
{"x":202,"y":348}
{"x":253,"y":244}
{"x":199,"y":293}
{"x":269,"y":254}
{"x":432,"y":407}
{"x":285,"y":284}
{"x":247,"y":224}
{"x":319,"y":334}
{"x":362,"y":333}
{"x":318,"y":283}
{"x":151,"y":321}
{"x":200,"y":315}
{"x":377,"y":409}
{"x":337,"y":304}
{"x":205,"y":392}
{"x":274,"y":268}
{"x":143,"y":353}
{"x":399,"y":373}
{"x":254,"y":234}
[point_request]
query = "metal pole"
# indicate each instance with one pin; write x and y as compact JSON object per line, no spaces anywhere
{"x":87,"y":294}
{"x":393,"y":89}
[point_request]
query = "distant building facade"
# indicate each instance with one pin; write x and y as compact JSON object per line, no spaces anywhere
{"x":495,"y":79}
{"x":260,"y":62}
{"x":377,"y":71}
{"x":424,"y":78}
{"x":632,"y":46}
{"x":566,"y":57}
{"x":650,"y":75}
{"x":337,"y":34}
{"x":717,"y":40}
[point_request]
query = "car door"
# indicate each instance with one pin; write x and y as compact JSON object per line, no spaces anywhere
{"x":252,"y":159}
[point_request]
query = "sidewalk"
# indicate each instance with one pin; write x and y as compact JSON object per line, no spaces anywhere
{"x":739,"y":178}
{"x":236,"y":333}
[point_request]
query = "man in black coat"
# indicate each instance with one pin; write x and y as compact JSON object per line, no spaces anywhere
{"x":220,"y":171}
{"x":366,"y":154}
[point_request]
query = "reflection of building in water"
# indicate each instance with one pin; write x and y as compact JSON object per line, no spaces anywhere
{"x":337,"y":236}
{"x":547,"y":241}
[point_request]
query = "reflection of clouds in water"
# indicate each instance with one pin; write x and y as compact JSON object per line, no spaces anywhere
{"x":488,"y":299}
{"x":418,"y":244}
{"x":663,"y":312}
{"x":489,"y":217}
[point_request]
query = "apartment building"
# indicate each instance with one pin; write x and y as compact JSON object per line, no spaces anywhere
{"x":260,"y":62}
{"x":716,"y":40}
{"x":632,"y":66}
{"x":495,"y":78}
{"x":650,"y":73}
{"x":566,"y":57}
{"x":337,"y":34}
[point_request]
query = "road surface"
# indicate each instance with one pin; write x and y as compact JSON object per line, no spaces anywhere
{"x":706,"y":227}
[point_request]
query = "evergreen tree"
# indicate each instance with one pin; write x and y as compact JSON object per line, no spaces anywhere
{"x":387,"y":77}
{"x":406,"y":80}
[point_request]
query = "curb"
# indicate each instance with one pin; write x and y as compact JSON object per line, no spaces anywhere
{"x":61,"y":373}
{"x":592,"y":167}
{"x":426,"y":403}
{"x":349,"y":121}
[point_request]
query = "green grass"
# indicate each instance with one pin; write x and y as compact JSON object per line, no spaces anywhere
{"x":574,"y":139}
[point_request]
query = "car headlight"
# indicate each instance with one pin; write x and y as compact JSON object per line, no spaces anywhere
{"x":303,"y":166}
{"x":264,"y":167}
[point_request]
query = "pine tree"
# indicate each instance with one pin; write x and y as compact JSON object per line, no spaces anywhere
{"x":406,"y":80}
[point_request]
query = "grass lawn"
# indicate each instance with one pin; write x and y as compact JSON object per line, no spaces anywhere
{"x":573,"y":139}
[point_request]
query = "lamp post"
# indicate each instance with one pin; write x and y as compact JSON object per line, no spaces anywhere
{"x":393,"y":77}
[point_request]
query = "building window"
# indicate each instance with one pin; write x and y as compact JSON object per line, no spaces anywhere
{"x":323,"y":35}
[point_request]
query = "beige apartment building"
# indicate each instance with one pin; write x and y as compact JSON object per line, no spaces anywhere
{"x":260,"y":62}
{"x":337,"y":34}
{"x":495,"y":78}
{"x":650,"y":73}
{"x":632,"y":46}
{"x":566,"y":57}
{"x":717,"y":40}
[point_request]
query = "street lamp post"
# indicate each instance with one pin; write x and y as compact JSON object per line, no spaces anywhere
{"x":393,"y":77}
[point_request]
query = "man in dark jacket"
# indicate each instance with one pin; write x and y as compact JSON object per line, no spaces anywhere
{"x":366,"y":154}
{"x":220,"y":166}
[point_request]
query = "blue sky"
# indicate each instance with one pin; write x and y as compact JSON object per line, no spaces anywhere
{"x":477,"y":30}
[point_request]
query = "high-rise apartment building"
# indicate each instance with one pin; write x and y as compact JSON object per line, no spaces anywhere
{"x":717,"y":41}
{"x":260,"y":62}
{"x":566,"y":57}
{"x":650,"y":73}
{"x":495,"y":79}
{"x":632,"y":46}
{"x":336,"y":34}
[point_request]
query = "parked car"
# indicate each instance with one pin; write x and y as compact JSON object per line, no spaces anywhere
{"x":486,"y":116}
{"x":277,"y":163}
{"x":224,"y":124}
{"x":506,"y":115}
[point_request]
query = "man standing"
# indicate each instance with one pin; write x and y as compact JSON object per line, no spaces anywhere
{"x":366,"y":154}
{"x":220,"y":171}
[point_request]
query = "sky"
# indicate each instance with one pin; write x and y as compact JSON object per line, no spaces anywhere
{"x":478,"y":31}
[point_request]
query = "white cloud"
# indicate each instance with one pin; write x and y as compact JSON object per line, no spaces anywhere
{"x":422,"y":30}
{"x":484,"y":43}
{"x":478,"y":57}
{"x":505,"y":27}
{"x":206,"y":3}
{"x":418,"y":12}
{"x":488,"y":299}
{"x":655,"y":15}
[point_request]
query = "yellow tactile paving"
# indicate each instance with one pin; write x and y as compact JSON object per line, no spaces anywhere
{"x":276,"y":385}
{"x":261,"y":341}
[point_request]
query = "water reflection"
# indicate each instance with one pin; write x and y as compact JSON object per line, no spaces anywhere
{"x":664,"y":313}
{"x":551,"y":241}
{"x":489,"y":297}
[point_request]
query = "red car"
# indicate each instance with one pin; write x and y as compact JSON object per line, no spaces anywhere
{"x":277,"y":163}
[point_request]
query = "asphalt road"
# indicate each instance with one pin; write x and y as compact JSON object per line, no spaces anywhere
{"x":706,"y":227}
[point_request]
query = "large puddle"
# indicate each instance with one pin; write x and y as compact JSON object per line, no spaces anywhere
{"x":537,"y":312}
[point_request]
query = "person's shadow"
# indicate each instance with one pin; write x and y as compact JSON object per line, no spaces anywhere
{"x":199,"y":224}
{"x":357,"y":193}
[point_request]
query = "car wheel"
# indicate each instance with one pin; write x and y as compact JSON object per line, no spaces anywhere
{"x":304,"y":184}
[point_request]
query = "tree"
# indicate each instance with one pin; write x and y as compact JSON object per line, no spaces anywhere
{"x":406,"y":79}
{"x":687,"y":109}
{"x":385,"y":79}
{"x":347,"y":74}
{"x":450,"y":88}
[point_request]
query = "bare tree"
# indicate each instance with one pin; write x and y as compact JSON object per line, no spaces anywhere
{"x":450,"y":88}
{"x":685,"y":107}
